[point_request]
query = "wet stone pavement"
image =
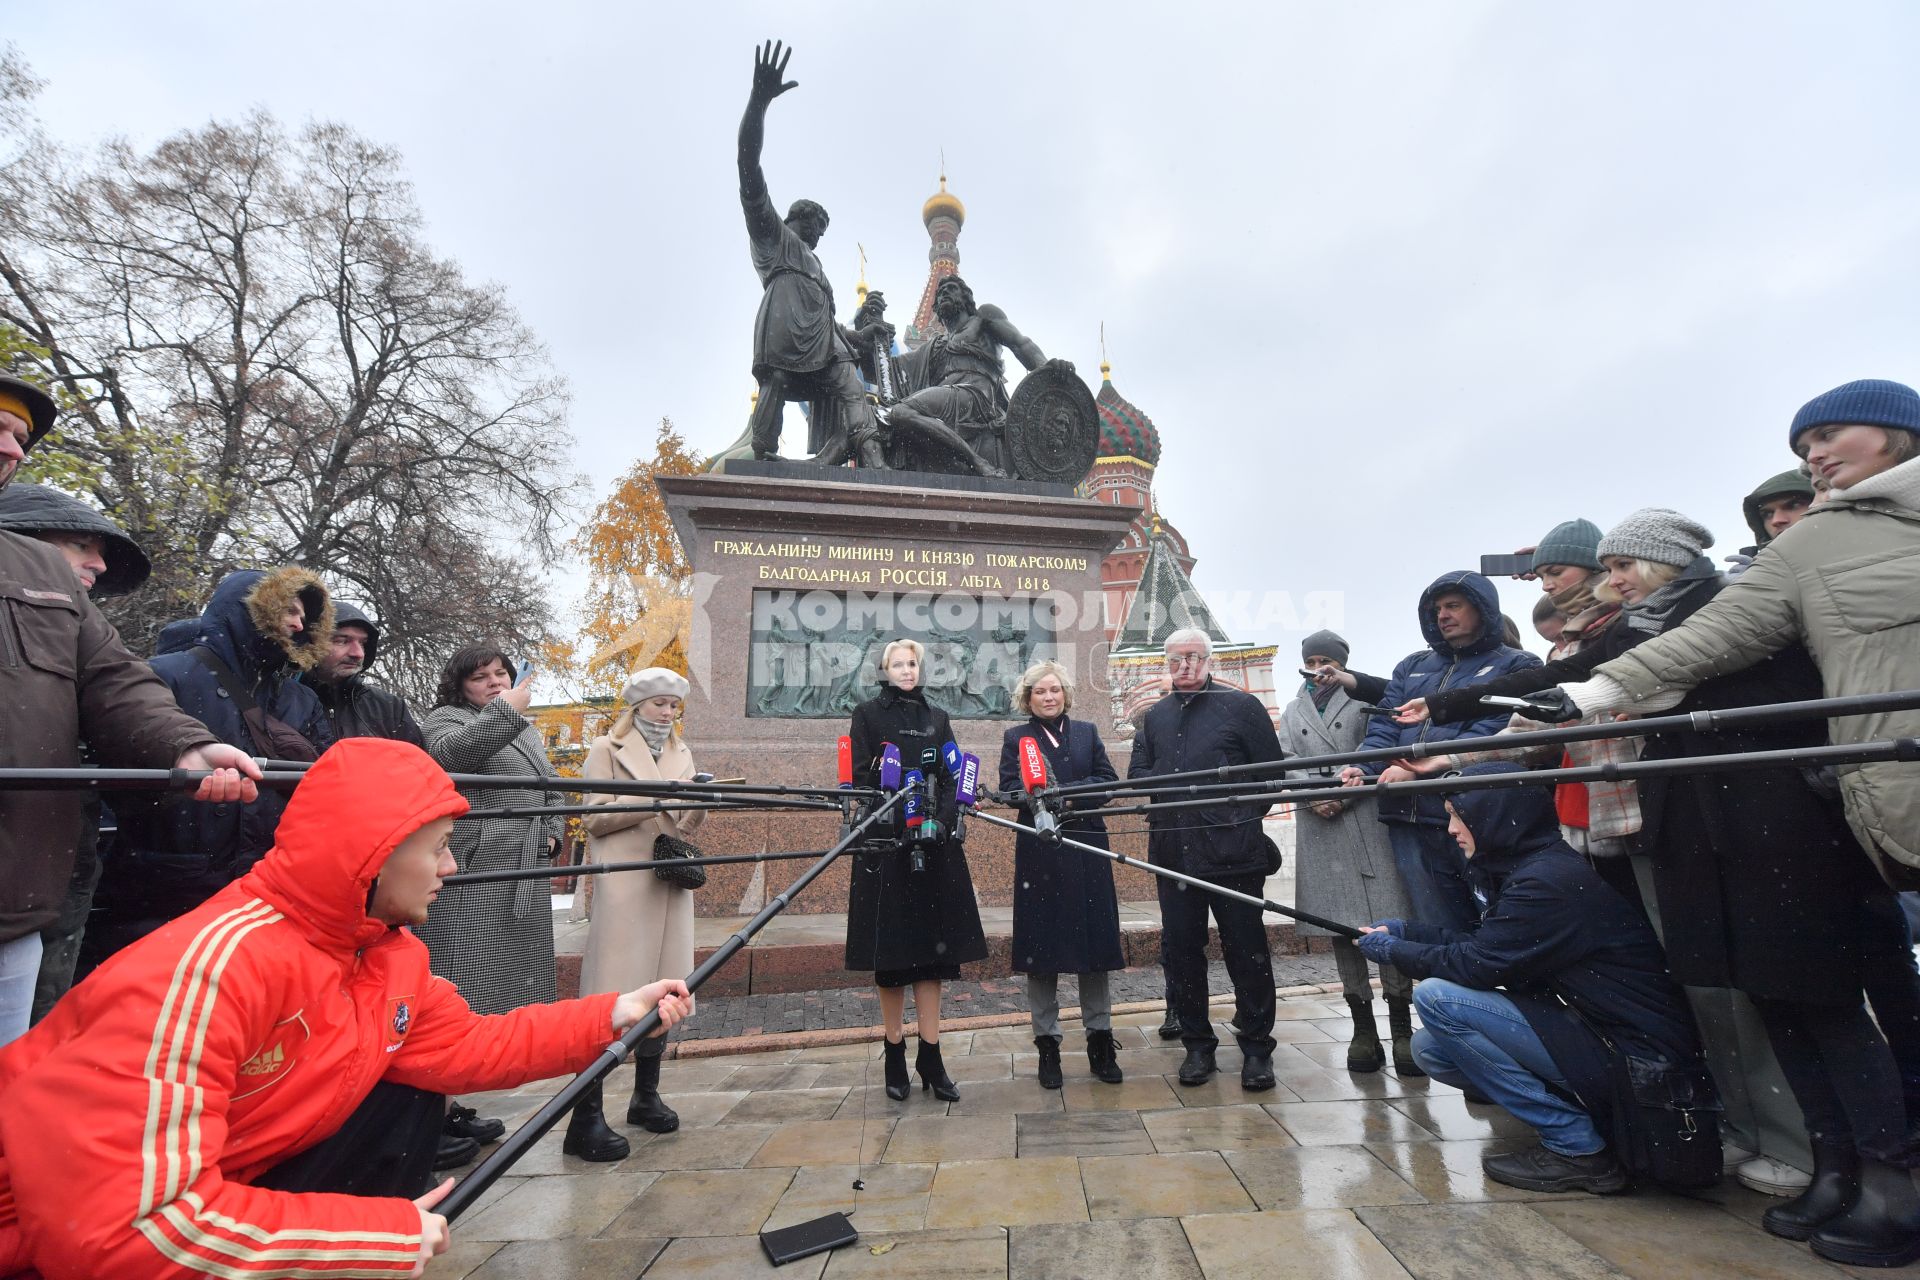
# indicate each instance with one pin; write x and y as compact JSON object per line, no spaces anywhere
{"x":1330,"y":1175}
{"x":729,"y":1017}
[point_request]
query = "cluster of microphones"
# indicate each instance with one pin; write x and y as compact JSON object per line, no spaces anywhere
{"x":919,"y":810}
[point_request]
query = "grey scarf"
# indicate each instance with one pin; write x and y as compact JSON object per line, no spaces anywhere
{"x":1654,"y":613}
{"x":655,"y":734}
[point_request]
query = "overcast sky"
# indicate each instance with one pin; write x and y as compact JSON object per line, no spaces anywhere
{"x":1399,"y":283}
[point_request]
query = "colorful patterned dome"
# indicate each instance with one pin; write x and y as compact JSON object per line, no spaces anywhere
{"x":1125,"y":432}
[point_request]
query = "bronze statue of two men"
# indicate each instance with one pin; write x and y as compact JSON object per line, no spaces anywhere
{"x":949,"y":396}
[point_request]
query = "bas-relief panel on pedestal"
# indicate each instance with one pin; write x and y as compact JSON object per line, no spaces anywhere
{"x":816,"y":654}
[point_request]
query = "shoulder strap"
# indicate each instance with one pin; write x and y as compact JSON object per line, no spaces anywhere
{"x":228,"y":681}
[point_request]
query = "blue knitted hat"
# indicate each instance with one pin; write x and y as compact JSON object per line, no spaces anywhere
{"x":1873,"y":401}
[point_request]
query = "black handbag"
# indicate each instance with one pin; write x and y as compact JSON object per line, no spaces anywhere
{"x":1666,"y":1120}
{"x":1665,"y":1116}
{"x":1272,"y":850}
{"x":667,"y":852}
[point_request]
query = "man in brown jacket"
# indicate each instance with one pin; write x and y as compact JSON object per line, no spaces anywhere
{"x":64,"y":676}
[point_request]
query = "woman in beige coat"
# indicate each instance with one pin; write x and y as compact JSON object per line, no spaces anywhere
{"x":640,"y":924}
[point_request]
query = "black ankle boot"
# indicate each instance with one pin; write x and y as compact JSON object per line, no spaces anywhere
{"x":1103,"y":1057}
{"x":1364,"y":1053}
{"x":933,"y":1073}
{"x":647,"y":1109}
{"x":1170,"y":1025}
{"x":1882,"y":1229}
{"x":1835,"y":1186}
{"x":1400,"y":1027}
{"x":1049,"y":1047}
{"x":588,"y":1135}
{"x":897,"y":1083}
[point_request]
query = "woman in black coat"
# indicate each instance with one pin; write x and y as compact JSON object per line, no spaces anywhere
{"x":1066,"y":918}
{"x":912,"y":928}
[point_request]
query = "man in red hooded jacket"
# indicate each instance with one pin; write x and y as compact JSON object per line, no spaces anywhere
{"x":141,"y":1122}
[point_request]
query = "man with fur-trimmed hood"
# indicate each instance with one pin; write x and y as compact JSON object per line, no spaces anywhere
{"x":236,"y":667}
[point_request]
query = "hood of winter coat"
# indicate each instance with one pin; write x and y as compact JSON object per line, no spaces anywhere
{"x":1507,"y":822}
{"x":1787,"y":482}
{"x":355,"y":805}
{"x":1485,"y":599}
{"x":343,"y":613}
{"x":240,"y":622}
{"x":33,"y":509}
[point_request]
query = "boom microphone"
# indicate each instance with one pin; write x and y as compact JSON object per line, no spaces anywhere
{"x":950,"y":757}
{"x":846,"y":763}
{"x":889,"y":767}
{"x":1033,"y":777}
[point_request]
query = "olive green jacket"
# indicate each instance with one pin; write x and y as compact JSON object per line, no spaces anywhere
{"x":1845,"y":582}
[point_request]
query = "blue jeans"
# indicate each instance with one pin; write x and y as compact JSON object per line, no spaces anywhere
{"x":1434,"y":872}
{"x":1481,"y":1038}
{"x":19,"y":968}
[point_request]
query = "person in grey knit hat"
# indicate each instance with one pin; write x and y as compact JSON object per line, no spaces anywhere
{"x":1324,"y":644}
{"x":1657,"y":534}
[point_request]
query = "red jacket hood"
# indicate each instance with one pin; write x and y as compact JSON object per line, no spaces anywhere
{"x":357,"y":802}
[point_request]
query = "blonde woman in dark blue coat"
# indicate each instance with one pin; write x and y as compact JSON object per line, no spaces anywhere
{"x":1066,"y":918}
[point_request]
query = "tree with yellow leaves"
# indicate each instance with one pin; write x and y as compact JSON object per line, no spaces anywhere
{"x":637,"y":604}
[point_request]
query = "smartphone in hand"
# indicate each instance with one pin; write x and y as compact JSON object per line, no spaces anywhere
{"x":1509,"y":566}
{"x":526,"y":674}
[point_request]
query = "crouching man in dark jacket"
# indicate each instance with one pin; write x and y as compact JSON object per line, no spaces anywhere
{"x":1517,"y":1006}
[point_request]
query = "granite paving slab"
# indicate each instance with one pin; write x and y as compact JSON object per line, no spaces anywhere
{"x":982,"y":1193}
{"x":1235,"y":1128}
{"x":558,"y":1208}
{"x":462,"y":1258}
{"x":785,"y":1106}
{"x":715,"y":1147}
{"x":893,"y":1197}
{"x":1138,"y":1249}
{"x":1322,"y":1244}
{"x":1654,"y":1235}
{"x":935,"y":1139}
{"x":570,"y":1260}
{"x":1337,"y":1177}
{"x":1083,"y":1133}
{"x":1005,"y":1097}
{"x":703,"y":1202}
{"x":1450,"y":1171}
{"x":815,"y":1142}
{"x":1162,"y":1186}
{"x":1482,"y":1242}
{"x":971,"y":1253}
{"x":1345,"y":1123}
{"x":722,"y":1258}
{"x":1135,"y":1093}
{"x":1453,"y":1118}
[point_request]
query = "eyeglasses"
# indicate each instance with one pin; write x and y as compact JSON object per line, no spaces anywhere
{"x":1175,"y":661}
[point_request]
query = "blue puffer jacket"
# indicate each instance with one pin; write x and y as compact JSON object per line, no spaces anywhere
{"x":172,"y":853}
{"x":1441,"y":666}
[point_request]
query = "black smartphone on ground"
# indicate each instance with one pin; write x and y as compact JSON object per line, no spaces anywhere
{"x":1506,"y":566}
{"x":805,"y":1239}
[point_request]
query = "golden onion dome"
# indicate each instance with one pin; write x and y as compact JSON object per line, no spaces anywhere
{"x":943,"y":203}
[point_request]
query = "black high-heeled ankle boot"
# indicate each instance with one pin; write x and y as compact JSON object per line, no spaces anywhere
{"x":896,"y":1060}
{"x":933,"y":1073}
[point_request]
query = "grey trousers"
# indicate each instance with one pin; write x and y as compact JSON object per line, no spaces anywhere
{"x":1761,"y":1113}
{"x":1357,"y":981}
{"x":1043,"y":997}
